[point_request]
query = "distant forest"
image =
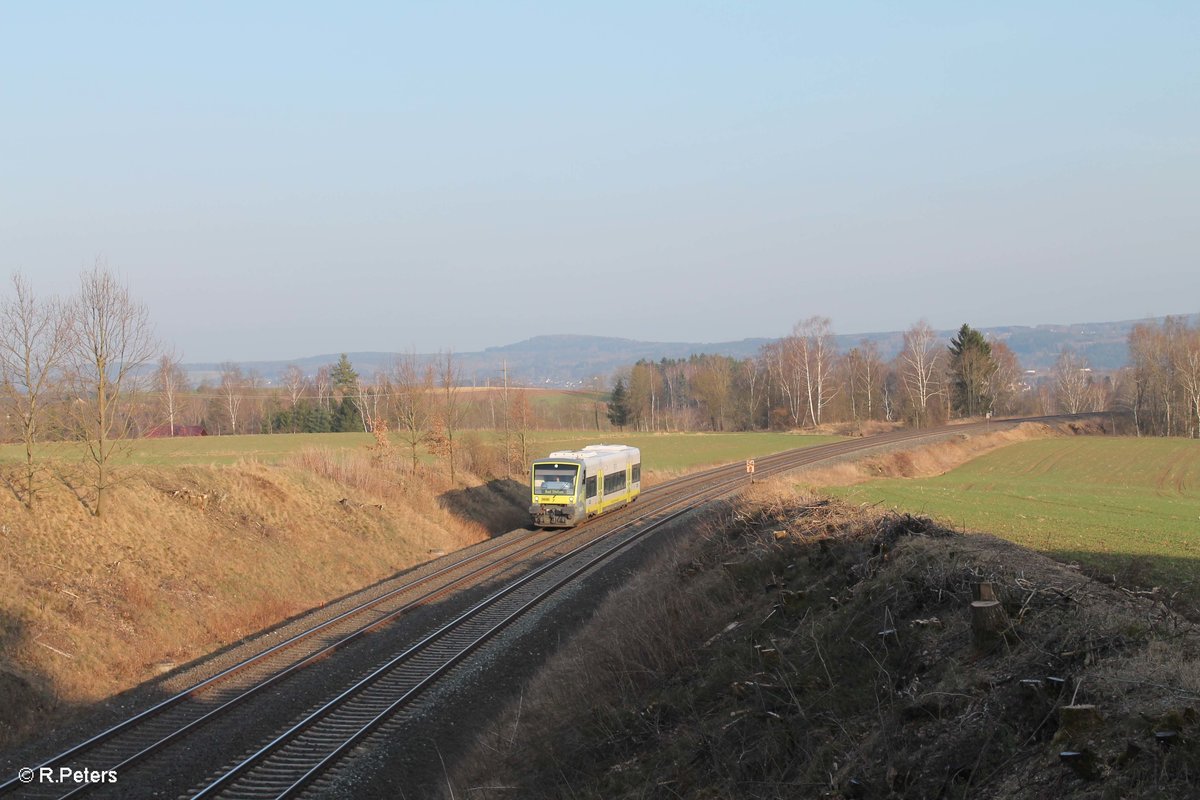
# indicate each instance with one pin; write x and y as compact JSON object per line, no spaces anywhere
{"x":803,"y":381}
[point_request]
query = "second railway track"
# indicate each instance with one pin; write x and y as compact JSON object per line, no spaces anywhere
{"x":344,"y":710}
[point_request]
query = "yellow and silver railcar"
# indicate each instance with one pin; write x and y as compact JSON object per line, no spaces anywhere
{"x":571,"y":486}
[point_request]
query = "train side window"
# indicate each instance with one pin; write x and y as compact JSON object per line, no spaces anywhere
{"x":614,"y":483}
{"x":591,"y":486}
{"x":637,"y":472}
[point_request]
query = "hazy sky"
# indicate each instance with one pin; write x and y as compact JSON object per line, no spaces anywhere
{"x":285,"y":179}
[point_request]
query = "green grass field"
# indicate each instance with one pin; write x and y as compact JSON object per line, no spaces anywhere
{"x":1114,"y":504}
{"x":205,"y":449}
{"x":659,"y":451}
{"x":677,"y":451}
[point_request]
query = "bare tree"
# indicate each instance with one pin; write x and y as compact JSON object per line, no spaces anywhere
{"x":521,"y":421}
{"x":323,"y":383}
{"x":712,"y":385}
{"x":919,"y":362}
{"x":818,"y":354}
{"x":112,"y":341}
{"x":1004,"y":383}
{"x":254,"y":416}
{"x":413,"y":392}
{"x":34,"y":338}
{"x":784,"y":365}
{"x":863,"y":369}
{"x":295,"y":382}
{"x":1188,"y":374}
{"x":170,"y":381}
{"x":644,"y":390}
{"x":1072,"y":382}
{"x":452,"y":409}
{"x":752,"y":379}
{"x":233,"y":384}
{"x":371,"y":400}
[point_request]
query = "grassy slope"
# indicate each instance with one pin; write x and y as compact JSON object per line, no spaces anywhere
{"x":89,"y":607}
{"x":1096,"y":500}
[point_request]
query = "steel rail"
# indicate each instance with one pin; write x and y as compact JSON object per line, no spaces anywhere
{"x":420,"y":647}
{"x":208,"y":683}
{"x":780,"y":462}
{"x":141,"y":751}
{"x":131,"y":724}
{"x":794,"y":457}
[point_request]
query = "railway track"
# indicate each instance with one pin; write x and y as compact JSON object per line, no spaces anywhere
{"x":297,"y":753}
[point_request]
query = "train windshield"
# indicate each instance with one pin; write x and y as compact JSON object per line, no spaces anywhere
{"x":554,"y":478}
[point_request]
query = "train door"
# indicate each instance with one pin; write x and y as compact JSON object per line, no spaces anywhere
{"x":591,"y":498}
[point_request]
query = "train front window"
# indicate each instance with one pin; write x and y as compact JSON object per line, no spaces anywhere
{"x":551,"y":479}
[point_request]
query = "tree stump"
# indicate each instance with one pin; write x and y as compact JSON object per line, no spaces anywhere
{"x":989,"y":622}
{"x":983,"y":591}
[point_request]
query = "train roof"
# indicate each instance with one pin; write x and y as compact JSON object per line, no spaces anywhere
{"x":594,"y":451}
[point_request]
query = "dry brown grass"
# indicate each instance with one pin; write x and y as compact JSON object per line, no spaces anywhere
{"x":795,"y":647}
{"x":189,"y":559}
{"x":869,"y":427}
{"x":928,"y":460}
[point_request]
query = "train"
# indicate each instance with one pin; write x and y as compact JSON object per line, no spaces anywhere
{"x":572,"y":486}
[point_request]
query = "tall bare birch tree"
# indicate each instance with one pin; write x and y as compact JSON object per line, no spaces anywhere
{"x":864,"y":375}
{"x":295,"y":382}
{"x":787,"y":378}
{"x":112,"y":341}
{"x":34,"y":338}
{"x":919,"y":368}
{"x":818,"y":354}
{"x":233,"y":384}
{"x":170,"y":381}
{"x":1188,"y":374}
{"x":323,"y":384}
{"x":1072,"y":384}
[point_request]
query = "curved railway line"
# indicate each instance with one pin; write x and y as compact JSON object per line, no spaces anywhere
{"x":325,"y":719}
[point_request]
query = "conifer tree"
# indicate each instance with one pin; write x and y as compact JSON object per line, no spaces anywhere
{"x":346,"y":416}
{"x":618,"y":405}
{"x":971,"y":368}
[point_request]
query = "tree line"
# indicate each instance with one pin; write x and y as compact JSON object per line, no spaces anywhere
{"x":1160,"y":387}
{"x":88,"y":368}
{"x":79,"y":358}
{"x":803,"y":381}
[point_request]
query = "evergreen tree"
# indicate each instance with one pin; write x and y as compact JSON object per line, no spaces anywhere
{"x":618,"y":405}
{"x":343,"y":377}
{"x":305,"y":417}
{"x":971,"y":369}
{"x":346,"y":417}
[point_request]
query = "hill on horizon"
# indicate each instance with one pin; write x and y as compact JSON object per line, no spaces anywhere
{"x":577,"y":360}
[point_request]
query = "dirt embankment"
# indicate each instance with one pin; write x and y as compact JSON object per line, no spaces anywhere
{"x":800,"y":648}
{"x":935,"y":459}
{"x":188,"y":560}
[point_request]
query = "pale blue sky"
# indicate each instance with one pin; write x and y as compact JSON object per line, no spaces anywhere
{"x":284,"y":179}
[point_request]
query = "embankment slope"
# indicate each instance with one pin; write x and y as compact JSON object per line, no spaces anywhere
{"x":187,"y":560}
